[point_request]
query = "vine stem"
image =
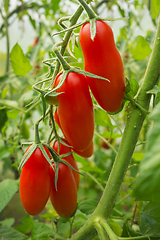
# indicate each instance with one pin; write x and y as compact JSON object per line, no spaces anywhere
{"x":130,"y":136}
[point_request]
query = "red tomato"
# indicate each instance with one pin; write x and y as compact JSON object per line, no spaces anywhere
{"x":64,"y":199}
{"x":70,"y":159}
{"x":35,"y":182}
{"x":102,"y":58}
{"x":35,"y":41}
{"x":104,"y":145}
{"x":87,"y":152}
{"x":75,"y":110}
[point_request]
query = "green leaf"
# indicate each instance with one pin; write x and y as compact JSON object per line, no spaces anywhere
{"x":155,"y":8}
{"x":3,"y":118}
{"x":7,"y":233}
{"x":138,"y":156}
{"x":7,"y":222}
{"x":26,"y":226}
{"x":147,"y":223}
{"x":40,"y":231}
{"x":153,"y":210}
{"x":148,"y":181}
{"x":140,"y":48}
{"x":20,"y":63}
{"x":102,"y":119}
{"x":8,"y":188}
{"x":87,"y":206}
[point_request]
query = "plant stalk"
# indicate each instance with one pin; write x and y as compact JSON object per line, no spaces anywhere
{"x":133,"y":127}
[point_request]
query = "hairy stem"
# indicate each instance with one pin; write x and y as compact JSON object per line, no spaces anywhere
{"x":133,"y":127}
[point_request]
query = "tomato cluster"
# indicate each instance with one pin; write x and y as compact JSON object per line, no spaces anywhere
{"x":75,"y":117}
{"x":37,"y":183}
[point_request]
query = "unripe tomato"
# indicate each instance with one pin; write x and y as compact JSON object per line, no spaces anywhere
{"x":64,"y":199}
{"x":75,"y":110}
{"x":70,"y":159}
{"x":35,"y":182}
{"x":87,"y":152}
{"x":102,"y":58}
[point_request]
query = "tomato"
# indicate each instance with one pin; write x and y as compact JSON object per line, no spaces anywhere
{"x":102,"y":58}
{"x":104,"y":145}
{"x":87,"y":152}
{"x":70,"y":159}
{"x":35,"y":41}
{"x":35,"y":182}
{"x":64,"y":199}
{"x":75,"y":110}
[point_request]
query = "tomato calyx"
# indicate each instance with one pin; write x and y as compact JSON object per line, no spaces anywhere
{"x":30,"y":151}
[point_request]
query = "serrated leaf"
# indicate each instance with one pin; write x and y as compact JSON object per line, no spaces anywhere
{"x":8,"y":188}
{"x":40,"y":231}
{"x":20,"y":63}
{"x":8,"y":233}
{"x":140,"y":48}
{"x":87,"y":206}
{"x":26,"y":225}
{"x":148,"y":181}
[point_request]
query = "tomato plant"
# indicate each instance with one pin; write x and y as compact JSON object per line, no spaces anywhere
{"x":63,"y":149}
{"x":34,"y":183}
{"x":75,"y":110}
{"x":102,"y":58}
{"x":64,"y":198}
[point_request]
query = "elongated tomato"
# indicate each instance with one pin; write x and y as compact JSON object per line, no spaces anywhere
{"x":35,"y":182}
{"x":102,"y":58}
{"x":75,"y":110}
{"x":64,"y":199}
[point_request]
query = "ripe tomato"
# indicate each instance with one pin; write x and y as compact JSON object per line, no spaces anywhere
{"x":64,"y":199}
{"x":87,"y":152}
{"x":70,"y":159}
{"x":35,"y":182}
{"x":75,"y":110}
{"x":102,"y":58}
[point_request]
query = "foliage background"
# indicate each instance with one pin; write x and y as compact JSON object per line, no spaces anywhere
{"x":21,"y":64}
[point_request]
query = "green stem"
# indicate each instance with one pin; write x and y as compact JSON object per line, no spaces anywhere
{"x":73,"y":21}
{"x":63,"y":62}
{"x":133,"y":127}
{"x":111,"y":234}
{"x":90,"y":12}
{"x":101,"y":232}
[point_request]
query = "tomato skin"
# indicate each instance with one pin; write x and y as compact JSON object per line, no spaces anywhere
{"x":70,"y":159}
{"x":75,"y":110}
{"x":64,"y":199}
{"x":35,"y":182}
{"x":87,"y":152}
{"x":102,"y":58}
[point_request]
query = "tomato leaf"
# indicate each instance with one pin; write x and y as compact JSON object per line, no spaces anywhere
{"x":8,"y":188}
{"x":147,"y":183}
{"x":10,"y":233}
{"x":140,"y":48}
{"x":20,"y":63}
{"x":40,"y":231}
{"x":87,"y":206}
